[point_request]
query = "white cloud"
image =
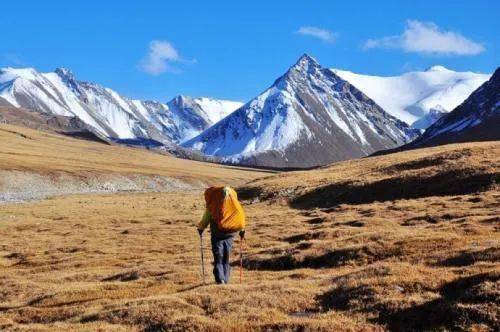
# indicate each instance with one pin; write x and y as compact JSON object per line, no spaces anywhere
{"x":160,"y":57}
{"x":324,"y":35}
{"x":428,"y":38}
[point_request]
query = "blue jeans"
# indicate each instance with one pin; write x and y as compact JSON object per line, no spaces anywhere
{"x":221,"y":249}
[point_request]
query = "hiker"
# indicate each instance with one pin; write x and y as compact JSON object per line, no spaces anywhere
{"x":225,"y":216}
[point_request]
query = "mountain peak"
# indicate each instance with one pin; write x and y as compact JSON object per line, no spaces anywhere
{"x":65,"y":73}
{"x":306,"y":62}
{"x":182,"y":99}
{"x":307,"y":57}
{"x":308,"y":117}
{"x":437,"y":68}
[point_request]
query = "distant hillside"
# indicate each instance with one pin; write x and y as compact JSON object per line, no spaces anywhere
{"x":66,"y":125}
{"x":35,"y":164}
{"x":444,"y":170}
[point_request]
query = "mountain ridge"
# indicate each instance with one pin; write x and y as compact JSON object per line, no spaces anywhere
{"x":308,"y":117}
{"x":106,"y":111}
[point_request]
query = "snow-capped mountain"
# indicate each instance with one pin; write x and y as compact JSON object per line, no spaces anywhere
{"x":193,"y":115}
{"x":308,"y":117}
{"x":418,"y":98}
{"x":108,"y":113}
{"x":476,"y":119}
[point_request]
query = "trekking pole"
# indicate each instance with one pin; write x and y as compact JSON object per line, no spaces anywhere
{"x":202,"y":260}
{"x":241,"y":260}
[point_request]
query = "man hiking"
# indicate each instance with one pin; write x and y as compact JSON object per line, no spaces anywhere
{"x":225,"y":216}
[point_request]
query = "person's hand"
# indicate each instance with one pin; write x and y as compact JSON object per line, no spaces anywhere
{"x":242,"y":234}
{"x":200,"y":231}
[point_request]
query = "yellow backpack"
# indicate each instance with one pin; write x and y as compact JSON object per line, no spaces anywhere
{"x":223,"y":205}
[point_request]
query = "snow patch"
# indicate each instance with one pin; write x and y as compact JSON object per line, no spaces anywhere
{"x":410,"y":96}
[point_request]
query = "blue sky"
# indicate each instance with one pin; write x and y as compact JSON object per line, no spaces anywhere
{"x":235,"y":49}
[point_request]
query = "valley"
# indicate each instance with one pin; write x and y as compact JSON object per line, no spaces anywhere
{"x":322,"y":252}
{"x":341,"y":159}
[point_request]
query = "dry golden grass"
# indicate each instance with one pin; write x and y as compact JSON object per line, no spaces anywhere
{"x":336,"y":261}
{"x":131,"y":261}
{"x":411,"y":174}
{"x":23,"y":149}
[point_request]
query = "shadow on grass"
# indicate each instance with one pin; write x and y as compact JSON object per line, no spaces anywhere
{"x":467,"y":258}
{"x":335,"y":258}
{"x":454,"y":182}
{"x":462,"y":303}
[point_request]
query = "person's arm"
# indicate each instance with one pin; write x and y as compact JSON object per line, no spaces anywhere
{"x":204,"y":222}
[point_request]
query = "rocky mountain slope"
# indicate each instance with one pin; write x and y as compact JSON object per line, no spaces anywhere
{"x":105,"y":111}
{"x":308,"y":117}
{"x":418,"y":98}
{"x":70,"y":126}
{"x":476,"y":119}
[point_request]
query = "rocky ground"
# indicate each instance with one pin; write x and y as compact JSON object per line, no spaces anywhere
{"x":18,"y":186}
